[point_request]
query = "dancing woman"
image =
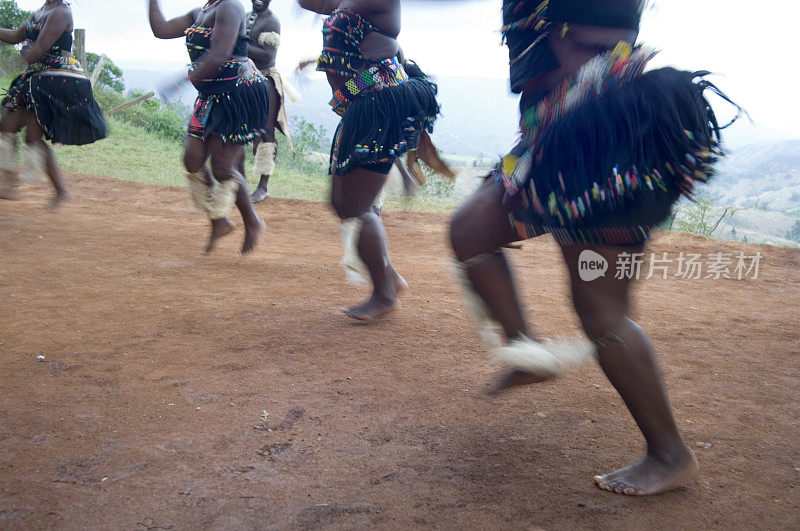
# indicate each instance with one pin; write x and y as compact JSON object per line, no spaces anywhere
{"x":230,"y":111}
{"x":52,"y":100}
{"x":383,"y":113}
{"x":606,"y":151}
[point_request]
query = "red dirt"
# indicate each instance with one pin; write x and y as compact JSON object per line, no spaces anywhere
{"x":159,"y":362}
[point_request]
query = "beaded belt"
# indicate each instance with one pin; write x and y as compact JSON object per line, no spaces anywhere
{"x":387,"y":73}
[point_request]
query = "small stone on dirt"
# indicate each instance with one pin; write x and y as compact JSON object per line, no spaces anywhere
{"x":703,"y":445}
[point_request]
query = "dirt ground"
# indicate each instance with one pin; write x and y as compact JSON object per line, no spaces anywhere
{"x":185,"y":391}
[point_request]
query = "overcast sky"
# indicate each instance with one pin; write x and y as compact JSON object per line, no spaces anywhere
{"x":752,"y":46}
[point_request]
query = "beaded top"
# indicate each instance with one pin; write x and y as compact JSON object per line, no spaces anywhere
{"x":64,"y":42}
{"x":198,"y":42}
{"x":342,"y":34}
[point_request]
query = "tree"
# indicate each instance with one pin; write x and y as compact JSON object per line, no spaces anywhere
{"x":703,"y":217}
{"x":794,"y":232}
{"x":11,"y":16}
{"x":110,"y":75}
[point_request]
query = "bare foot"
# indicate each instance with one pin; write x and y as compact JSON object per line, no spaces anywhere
{"x":219,"y":228}
{"x":651,"y":475}
{"x":61,"y":197}
{"x":512,"y":378}
{"x":252,"y":233}
{"x":259,"y":194}
{"x":373,"y":309}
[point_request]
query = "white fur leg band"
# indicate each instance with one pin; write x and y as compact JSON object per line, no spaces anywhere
{"x":265,"y":159}
{"x":546,"y":358}
{"x":34,"y":164}
{"x":216,"y":200}
{"x":223,"y":197}
{"x":354,"y":267}
{"x":199,"y":191}
{"x":8,"y":153}
{"x":488,"y":328}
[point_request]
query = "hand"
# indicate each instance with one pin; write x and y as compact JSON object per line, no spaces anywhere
{"x":169,"y":87}
{"x":303,"y":64}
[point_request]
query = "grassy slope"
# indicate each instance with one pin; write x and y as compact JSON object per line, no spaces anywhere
{"x":130,"y":153}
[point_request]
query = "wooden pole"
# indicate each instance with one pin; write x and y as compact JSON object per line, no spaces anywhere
{"x":98,"y":68}
{"x":130,"y":103}
{"x":79,"y":48}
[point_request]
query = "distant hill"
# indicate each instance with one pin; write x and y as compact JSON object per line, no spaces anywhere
{"x":764,"y":175}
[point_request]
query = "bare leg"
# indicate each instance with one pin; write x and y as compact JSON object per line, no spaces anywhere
{"x":478,"y":229}
{"x":262,"y":192}
{"x":628,"y":359}
{"x":220,"y":227}
{"x":9,"y":169}
{"x":11,"y":122}
{"x":34,"y":136}
{"x":224,"y":158}
{"x":352,"y":196}
{"x":194,"y":159}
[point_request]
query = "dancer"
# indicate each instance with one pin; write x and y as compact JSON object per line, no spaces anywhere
{"x":606,"y":151}
{"x":51,"y":100}
{"x":264,"y":34}
{"x":230,"y":111}
{"x":383,"y":113}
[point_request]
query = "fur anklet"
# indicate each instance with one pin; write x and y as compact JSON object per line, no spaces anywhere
{"x":546,"y":358}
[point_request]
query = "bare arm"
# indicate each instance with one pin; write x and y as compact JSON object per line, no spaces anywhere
{"x":57,"y":23}
{"x":168,"y":29}
{"x":323,"y":7}
{"x":264,"y":53}
{"x":12,"y":36}
{"x":227,"y":23}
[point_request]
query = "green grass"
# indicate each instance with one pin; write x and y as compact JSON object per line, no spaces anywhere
{"x":129,"y":153}
{"x":133,"y":154}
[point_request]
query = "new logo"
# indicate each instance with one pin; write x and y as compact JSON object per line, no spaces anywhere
{"x":591,"y":265}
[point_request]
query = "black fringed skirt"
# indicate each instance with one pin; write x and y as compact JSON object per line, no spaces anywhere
{"x":611,"y":168}
{"x":60,"y":95}
{"x":383,"y":124}
{"x":234,"y":106}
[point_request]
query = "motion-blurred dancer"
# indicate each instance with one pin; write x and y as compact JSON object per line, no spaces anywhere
{"x":383,"y":113}
{"x":605,"y":152}
{"x":230,"y":111}
{"x":51,"y":100}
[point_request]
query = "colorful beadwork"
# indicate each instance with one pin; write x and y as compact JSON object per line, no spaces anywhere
{"x":571,"y":215}
{"x":238,"y":87}
{"x":535,"y":21}
{"x":387,"y":73}
{"x":342,"y":33}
